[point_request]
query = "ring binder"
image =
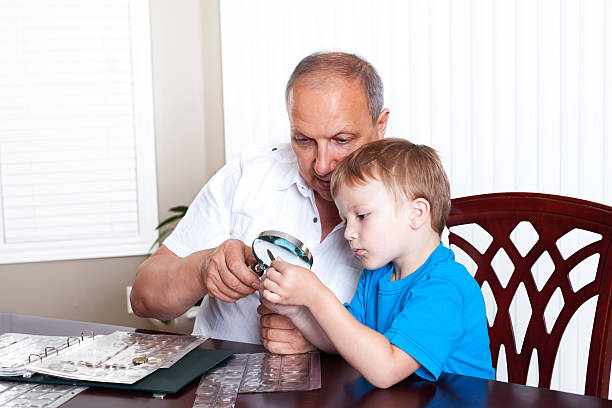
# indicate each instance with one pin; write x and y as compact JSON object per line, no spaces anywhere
{"x":119,"y":357}
{"x":72,"y":337}
{"x":34,"y":354}
{"x":50,"y":348}
{"x":15,"y":345}
{"x":91,"y":335}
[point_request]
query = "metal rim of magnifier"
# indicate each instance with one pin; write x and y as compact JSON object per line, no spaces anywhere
{"x":298,"y":247}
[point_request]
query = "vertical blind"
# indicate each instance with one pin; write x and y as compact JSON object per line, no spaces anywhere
{"x":516,"y":95}
{"x":77,"y":172}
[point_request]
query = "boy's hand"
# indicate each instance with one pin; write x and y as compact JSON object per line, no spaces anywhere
{"x":286,"y":310}
{"x":289,"y":284}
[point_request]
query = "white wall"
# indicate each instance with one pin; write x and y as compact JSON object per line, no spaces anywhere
{"x":516,"y":95}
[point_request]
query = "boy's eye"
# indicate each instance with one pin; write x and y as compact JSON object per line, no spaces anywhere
{"x":362,"y":216}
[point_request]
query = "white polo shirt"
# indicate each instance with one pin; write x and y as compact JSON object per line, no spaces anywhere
{"x":261,"y":191}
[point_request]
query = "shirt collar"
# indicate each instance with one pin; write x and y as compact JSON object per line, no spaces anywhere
{"x":290,"y":174}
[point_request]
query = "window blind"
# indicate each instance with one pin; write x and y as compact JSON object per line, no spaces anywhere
{"x":77,"y":173}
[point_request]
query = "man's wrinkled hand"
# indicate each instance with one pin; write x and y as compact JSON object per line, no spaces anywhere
{"x":226,"y":273}
{"x":279,"y":335}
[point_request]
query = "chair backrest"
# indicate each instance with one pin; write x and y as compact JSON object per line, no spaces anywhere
{"x":551,"y":218}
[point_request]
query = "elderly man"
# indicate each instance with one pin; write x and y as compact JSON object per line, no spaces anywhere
{"x":335,"y":105}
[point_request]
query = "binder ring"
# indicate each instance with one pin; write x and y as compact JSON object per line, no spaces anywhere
{"x":50,"y":348}
{"x":72,"y":337}
{"x":91,"y":334}
{"x":34,"y":354}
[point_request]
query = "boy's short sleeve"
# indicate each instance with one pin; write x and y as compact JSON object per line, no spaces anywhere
{"x":357,"y":306}
{"x":430,"y":325}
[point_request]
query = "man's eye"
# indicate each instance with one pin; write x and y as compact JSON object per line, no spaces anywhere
{"x":342,"y":140}
{"x":301,"y":139}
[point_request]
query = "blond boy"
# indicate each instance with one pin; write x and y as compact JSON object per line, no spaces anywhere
{"x":416,"y":310}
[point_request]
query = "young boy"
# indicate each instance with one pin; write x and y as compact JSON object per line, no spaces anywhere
{"x":415,"y":310}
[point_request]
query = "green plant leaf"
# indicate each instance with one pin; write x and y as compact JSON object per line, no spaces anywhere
{"x":169,"y":220}
{"x":160,"y":238}
{"x":179,"y":209}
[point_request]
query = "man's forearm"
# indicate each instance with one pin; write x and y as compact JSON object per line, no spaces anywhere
{"x":167,"y":285}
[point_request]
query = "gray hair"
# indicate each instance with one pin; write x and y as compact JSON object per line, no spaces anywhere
{"x":341,"y":65}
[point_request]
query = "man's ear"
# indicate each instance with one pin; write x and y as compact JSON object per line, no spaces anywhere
{"x":420,"y":211}
{"x":381,"y":122}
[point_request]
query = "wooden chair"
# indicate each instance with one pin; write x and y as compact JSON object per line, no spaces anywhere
{"x":551,"y":217}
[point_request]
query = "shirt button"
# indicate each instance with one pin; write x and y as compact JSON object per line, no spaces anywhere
{"x":314,"y":219}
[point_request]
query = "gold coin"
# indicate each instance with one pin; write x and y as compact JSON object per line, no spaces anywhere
{"x":140,"y":360}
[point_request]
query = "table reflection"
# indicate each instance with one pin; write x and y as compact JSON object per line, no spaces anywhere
{"x":449,"y":390}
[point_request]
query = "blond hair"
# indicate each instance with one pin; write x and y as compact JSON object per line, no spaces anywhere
{"x":408,"y":170}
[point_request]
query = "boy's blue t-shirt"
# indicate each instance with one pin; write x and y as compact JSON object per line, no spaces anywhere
{"x":436,"y":314}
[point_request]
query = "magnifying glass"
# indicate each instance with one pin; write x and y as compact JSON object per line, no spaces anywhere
{"x":270,"y":245}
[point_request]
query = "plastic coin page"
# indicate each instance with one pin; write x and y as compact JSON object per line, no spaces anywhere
{"x":219,"y":387}
{"x":119,"y":357}
{"x":16,"y":349}
{"x":15,"y":394}
{"x":258,"y":372}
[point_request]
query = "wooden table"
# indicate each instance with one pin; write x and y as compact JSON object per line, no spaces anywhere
{"x":342,"y":386}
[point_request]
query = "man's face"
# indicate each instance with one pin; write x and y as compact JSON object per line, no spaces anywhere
{"x":328,"y":123}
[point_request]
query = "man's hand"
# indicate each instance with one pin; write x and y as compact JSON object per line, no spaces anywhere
{"x":226,"y":273}
{"x":279,"y":335}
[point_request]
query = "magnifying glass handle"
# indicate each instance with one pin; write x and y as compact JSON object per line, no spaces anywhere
{"x":258,"y":269}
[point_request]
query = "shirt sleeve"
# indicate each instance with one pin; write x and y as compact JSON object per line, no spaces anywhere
{"x":429,"y":325}
{"x":207,"y":221}
{"x":357,"y":306}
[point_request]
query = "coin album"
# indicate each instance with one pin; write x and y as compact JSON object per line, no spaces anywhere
{"x":119,"y":357}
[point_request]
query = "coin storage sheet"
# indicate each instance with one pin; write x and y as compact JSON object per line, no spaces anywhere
{"x":16,"y":349}
{"x":15,"y":394}
{"x":119,"y":357}
{"x":258,"y":372}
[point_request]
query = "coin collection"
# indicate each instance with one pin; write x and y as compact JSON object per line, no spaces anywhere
{"x":15,"y":394}
{"x":16,"y":350}
{"x":119,"y":357}
{"x":257,"y":372}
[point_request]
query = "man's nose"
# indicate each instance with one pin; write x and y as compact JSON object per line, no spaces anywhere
{"x":324,"y":162}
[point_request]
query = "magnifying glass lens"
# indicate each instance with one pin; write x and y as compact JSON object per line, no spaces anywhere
{"x":279,"y":244}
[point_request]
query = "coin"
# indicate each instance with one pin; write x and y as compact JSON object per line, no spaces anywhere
{"x":139,"y":360}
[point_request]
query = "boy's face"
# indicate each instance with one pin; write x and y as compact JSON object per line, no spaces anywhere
{"x":377,"y":228}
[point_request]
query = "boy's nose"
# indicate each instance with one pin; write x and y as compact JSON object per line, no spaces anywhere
{"x":349,"y":233}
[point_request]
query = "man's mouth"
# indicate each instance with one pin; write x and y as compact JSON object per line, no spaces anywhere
{"x":325,"y":184}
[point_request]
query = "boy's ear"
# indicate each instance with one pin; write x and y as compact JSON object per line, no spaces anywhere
{"x":420,"y":212}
